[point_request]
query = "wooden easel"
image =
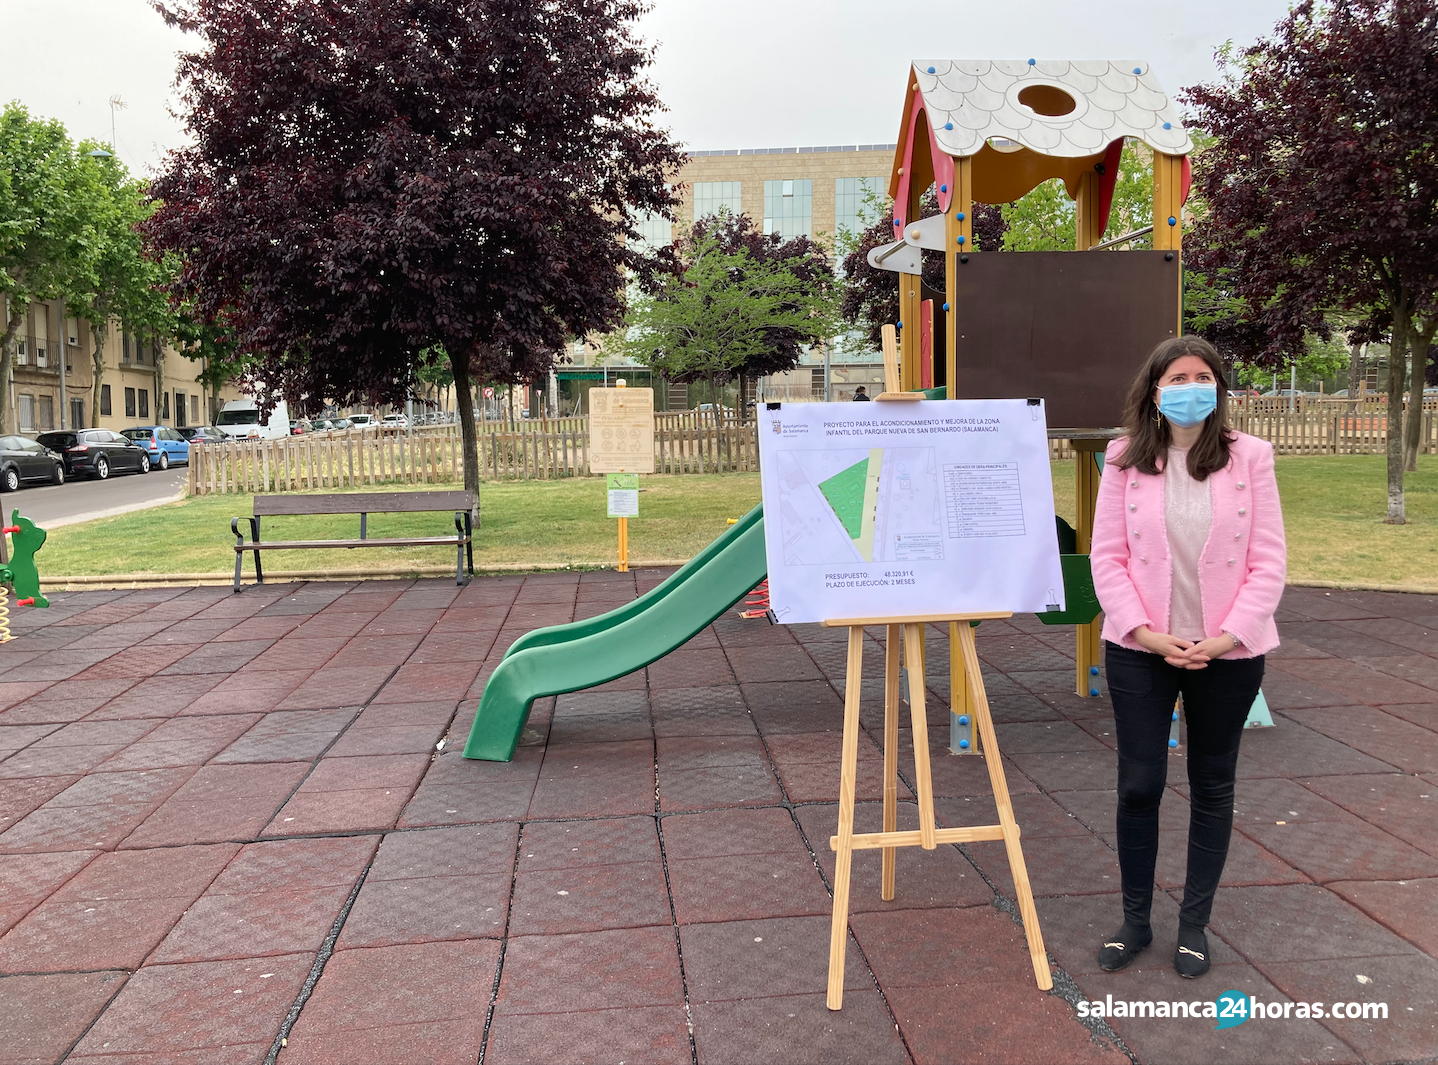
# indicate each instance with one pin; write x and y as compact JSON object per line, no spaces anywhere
{"x":909,"y":632}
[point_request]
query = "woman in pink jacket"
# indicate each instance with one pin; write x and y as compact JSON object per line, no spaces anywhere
{"x":1188,"y":562}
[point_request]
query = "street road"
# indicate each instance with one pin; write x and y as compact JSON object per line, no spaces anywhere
{"x":51,"y":505}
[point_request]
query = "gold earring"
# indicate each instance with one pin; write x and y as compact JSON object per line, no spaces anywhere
{"x":1157,"y":417}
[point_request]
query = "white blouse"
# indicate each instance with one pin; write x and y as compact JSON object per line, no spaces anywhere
{"x":1188,"y":515}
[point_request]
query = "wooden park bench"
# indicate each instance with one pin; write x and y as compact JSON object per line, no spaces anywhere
{"x":364,"y":504}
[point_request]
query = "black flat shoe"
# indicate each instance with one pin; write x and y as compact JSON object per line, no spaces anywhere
{"x":1127,"y":943}
{"x":1190,"y":961}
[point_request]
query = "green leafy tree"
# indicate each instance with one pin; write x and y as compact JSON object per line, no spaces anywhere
{"x":45,"y":229}
{"x":1043,"y":220}
{"x":725,"y":311}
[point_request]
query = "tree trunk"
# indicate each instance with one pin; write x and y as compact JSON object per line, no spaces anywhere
{"x":99,"y":327}
{"x":7,"y":359}
{"x":1397,"y":371}
{"x":464,"y":397}
{"x":1413,"y":423}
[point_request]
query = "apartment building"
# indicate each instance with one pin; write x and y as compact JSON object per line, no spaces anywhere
{"x":143,"y":382}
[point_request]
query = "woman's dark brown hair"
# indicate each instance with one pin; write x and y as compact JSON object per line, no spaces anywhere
{"x":1149,"y":437}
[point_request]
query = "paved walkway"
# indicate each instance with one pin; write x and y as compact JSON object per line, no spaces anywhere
{"x":226,"y":835}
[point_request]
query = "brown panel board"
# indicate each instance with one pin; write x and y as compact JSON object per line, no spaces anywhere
{"x":362,"y":502}
{"x":1072,"y":327}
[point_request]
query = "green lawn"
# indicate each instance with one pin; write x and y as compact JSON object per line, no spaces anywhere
{"x":1333,"y":510}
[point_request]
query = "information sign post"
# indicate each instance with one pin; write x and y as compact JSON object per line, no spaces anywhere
{"x":623,"y":504}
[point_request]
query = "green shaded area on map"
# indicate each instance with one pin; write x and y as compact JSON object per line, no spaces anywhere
{"x":845,"y":493}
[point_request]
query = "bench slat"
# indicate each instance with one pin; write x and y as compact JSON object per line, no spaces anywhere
{"x":362,"y":502}
{"x":378,"y":541}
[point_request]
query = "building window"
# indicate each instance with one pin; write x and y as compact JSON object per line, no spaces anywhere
{"x":195,"y":409}
{"x":125,"y":343}
{"x":162,"y":401}
{"x":145,"y":404}
{"x":20,"y":352}
{"x":129,"y":402}
{"x":77,"y":414}
{"x":856,"y":203}
{"x":27,"y":413}
{"x":105,"y":401}
{"x":655,"y":231}
{"x":139,"y":352}
{"x":712,"y":197}
{"x":40,"y":359}
{"x":179,"y":410}
{"x":789,"y":208}
{"x":47,"y":413}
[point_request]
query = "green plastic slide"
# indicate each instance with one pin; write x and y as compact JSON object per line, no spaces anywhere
{"x":583,"y":654}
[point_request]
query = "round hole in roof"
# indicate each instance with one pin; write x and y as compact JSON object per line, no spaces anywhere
{"x":1047,"y":100}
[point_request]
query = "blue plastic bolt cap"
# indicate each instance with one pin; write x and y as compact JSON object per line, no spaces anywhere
{"x":897,"y":222}
{"x":899,"y":326}
{"x":1138,"y":70}
{"x":963,"y":719}
{"x":1168,"y":125}
{"x":946,"y":306}
{"x":963,"y":745}
{"x":960,"y":216}
{"x":962,"y":239}
{"x":943,"y":188}
{"x":1173,"y":743}
{"x":1093,"y":671}
{"x":1032,"y":62}
{"x":948,"y":125}
{"x":1093,"y":691}
{"x":1175,"y":716}
{"x":932,"y":70}
{"x":1172,"y":220}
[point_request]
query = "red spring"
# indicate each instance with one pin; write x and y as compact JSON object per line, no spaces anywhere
{"x":25,"y":602}
{"x":757,"y":603}
{"x":11,"y":529}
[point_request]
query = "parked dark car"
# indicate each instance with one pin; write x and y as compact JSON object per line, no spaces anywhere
{"x":202,"y":434}
{"x":97,"y":453}
{"x":24,"y":460}
{"x":165,"y":445}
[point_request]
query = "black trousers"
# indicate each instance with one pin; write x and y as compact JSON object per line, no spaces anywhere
{"x":1216,"y":701}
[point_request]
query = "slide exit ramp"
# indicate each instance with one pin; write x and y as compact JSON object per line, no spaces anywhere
{"x":583,"y":654}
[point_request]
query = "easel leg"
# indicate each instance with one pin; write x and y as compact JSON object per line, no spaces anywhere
{"x":914,"y":653}
{"x":1000,"y":787}
{"x":891,"y":754}
{"x":848,"y":776}
{"x":963,"y":737}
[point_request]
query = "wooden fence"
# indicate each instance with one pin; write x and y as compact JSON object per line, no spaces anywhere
{"x":684,"y":442}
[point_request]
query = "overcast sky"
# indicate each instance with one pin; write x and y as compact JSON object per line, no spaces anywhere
{"x":734,"y":73}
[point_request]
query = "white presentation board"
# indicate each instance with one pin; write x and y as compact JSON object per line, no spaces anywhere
{"x":890,"y":509}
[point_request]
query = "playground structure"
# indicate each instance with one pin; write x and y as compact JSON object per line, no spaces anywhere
{"x":19,"y":571}
{"x":1072,"y":326}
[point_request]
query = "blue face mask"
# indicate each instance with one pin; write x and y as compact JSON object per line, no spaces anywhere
{"x":1188,"y":405}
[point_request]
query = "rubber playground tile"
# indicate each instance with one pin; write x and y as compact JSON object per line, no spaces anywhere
{"x":318,"y":811}
{"x":403,"y":620}
{"x":181,"y":741}
{"x":1356,"y":681}
{"x":710,"y":752}
{"x":1347,"y":850}
{"x":791,"y":1028}
{"x":112,"y":913}
{"x":746,"y":887}
{"x":589,"y":701}
{"x":1402,"y":805}
{"x":1406,"y":1031}
{"x":248,"y":693}
{"x":144,"y":660}
{"x":1338,"y":639}
{"x":74,"y":827}
{"x":1047,"y":737}
{"x":573,"y":973}
{"x":55,"y":761}
{"x":723,"y":833}
{"x":226,"y":1011}
{"x":156,"y":697}
{"x":1298,"y":922}
{"x":922,"y":879}
{"x":288,"y":735}
{"x":429,"y":712}
{"x":428,"y":909}
{"x":1407,"y":907}
{"x":758,"y":664}
{"x":577,"y":844}
{"x":17,"y":737}
{"x":27,"y":880}
{"x":327,"y":688}
{"x":330,"y":624}
{"x":386,"y":739}
{"x":67,"y":701}
{"x":716,"y":786}
{"x":567,"y":729}
{"x":1280,"y":799}
{"x":295,"y":652}
{"x":1248,"y":862}
{"x":686,"y":668}
{"x":1057,"y":865}
{"x":594,"y":780}
{"x":655,"y":1035}
{"x":1093,"y":770}
{"x":20,"y":797}
{"x":220,"y":802}
{"x":390,"y":651}
{"x":1409,"y":747}
{"x":589,"y":899}
{"x":41,"y":1017}
{"x":1009,"y":1022}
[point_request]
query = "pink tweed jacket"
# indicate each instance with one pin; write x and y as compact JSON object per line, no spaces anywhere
{"x":1243,"y":563}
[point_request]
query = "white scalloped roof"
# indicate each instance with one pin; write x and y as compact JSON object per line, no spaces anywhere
{"x":970,"y":100}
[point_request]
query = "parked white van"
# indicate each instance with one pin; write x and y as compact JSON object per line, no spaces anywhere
{"x":240,"y":419}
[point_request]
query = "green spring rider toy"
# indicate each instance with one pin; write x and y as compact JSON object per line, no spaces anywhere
{"x":21,"y":572}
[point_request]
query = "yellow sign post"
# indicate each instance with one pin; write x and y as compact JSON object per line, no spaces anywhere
{"x":623,"y":504}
